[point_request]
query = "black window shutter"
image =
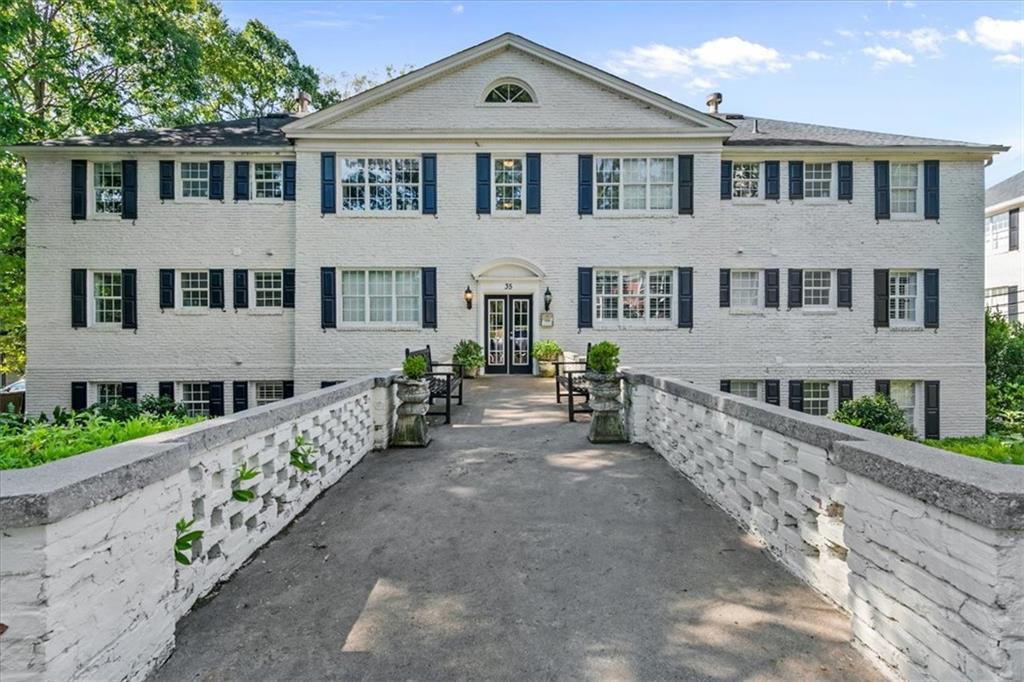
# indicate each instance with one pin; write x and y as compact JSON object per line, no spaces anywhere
{"x":79,"y":314}
{"x":931,"y":409}
{"x":239,"y":396}
{"x":78,"y":193}
{"x":429,"y":175}
{"x":845,"y":173}
{"x":241,"y":180}
{"x":129,"y":391}
{"x":585,"y":185}
{"x":686,"y":184}
{"x":881,"y":190}
{"x":796,"y":395}
{"x":726,"y":188}
{"x":79,"y":395}
{"x":771,"y":288}
{"x":771,"y":391}
{"x":771,"y":180}
{"x":1015,"y":229}
{"x":217,"y":180}
{"x":166,"y":180}
{"x":165,"y":389}
{"x":288,"y":285}
{"x":216,"y":398}
{"x":533,"y":183}
{"x":129,"y":190}
{"x":685,"y":298}
{"x":931,"y":299}
{"x":166,"y":288}
{"x":881,"y":298}
{"x":241,"y":288}
{"x":328,"y":298}
{"x":216,"y":289}
{"x":328,"y":194}
{"x":844,"y":288}
{"x":796,"y":179}
{"x":1012,"y":303}
{"x":931,"y":190}
{"x":724,"y":295}
{"x":483,"y":183}
{"x":796,"y":288}
{"x":129,"y":300}
{"x":584,"y":298}
{"x":429,"y":276}
{"x":725,"y":386}
{"x":882,"y":386}
{"x":845,"y":391}
{"x":287,"y":389}
{"x":288,"y":189}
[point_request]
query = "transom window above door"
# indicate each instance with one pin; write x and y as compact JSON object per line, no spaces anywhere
{"x":380,"y":185}
{"x":635,"y":183}
{"x":630,"y":295}
{"x":509,"y":93}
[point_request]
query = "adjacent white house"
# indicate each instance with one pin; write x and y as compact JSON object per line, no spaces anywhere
{"x":509,"y":193}
{"x":1004,"y":260}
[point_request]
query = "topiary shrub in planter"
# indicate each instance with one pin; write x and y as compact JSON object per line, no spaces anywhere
{"x":470,"y":355}
{"x":545,"y":353}
{"x":876,"y":412}
{"x":606,"y":424}
{"x":413,"y":392}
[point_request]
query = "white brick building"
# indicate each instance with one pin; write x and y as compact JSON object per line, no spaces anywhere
{"x":242,"y":260}
{"x":1004,"y":260}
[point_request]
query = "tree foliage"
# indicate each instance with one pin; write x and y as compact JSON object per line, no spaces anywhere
{"x":1004,"y":366}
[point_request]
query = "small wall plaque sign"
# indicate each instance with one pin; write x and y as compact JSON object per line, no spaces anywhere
{"x":547,"y":320}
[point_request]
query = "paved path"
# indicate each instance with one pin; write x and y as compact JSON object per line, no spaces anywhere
{"x":512,"y":549}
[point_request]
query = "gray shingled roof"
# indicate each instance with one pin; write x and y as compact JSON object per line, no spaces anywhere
{"x":772,"y":133}
{"x":247,"y":132}
{"x":1010,"y":188}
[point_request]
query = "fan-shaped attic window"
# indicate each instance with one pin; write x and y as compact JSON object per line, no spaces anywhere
{"x":509,"y":93}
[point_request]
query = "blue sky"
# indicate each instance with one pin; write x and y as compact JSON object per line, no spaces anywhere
{"x":937,"y":69}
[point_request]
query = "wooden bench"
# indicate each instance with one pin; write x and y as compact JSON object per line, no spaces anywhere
{"x":443,"y":384}
{"x":570,"y":383}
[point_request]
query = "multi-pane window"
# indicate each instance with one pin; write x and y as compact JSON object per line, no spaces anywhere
{"x":634,"y":184}
{"x":745,"y":388}
{"x":377,"y":185}
{"x":746,"y":180}
{"x":269,"y":289}
{"x":997,"y":233}
{"x":107,"y":392}
{"x":903,"y":294}
{"x":508,"y":185}
{"x":108,"y":186}
{"x":268,"y":392}
{"x":633,"y":294}
{"x":269,"y":178}
{"x":195,"y":179}
{"x":816,"y":398}
{"x":903,"y":191}
{"x":817,"y":288}
{"x":195,"y":397}
{"x":195,"y":289}
{"x":997,"y":299}
{"x":903,"y":393}
{"x":380,"y":296}
{"x":106,"y":294}
{"x":745,"y":289}
{"x":818,"y":180}
{"x":508,"y":93}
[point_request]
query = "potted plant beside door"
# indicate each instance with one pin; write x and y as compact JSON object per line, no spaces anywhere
{"x":413,"y":392}
{"x":470,"y":355}
{"x":606,"y":425}
{"x":546,"y":353}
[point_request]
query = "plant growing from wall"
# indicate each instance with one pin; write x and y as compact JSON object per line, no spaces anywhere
{"x":300,"y":455}
{"x":547,"y":350}
{"x":184,"y":539}
{"x":244,"y":474}
{"x":469,"y":354}
{"x":415,"y":367}
{"x":603,"y":358}
{"x":876,"y":412}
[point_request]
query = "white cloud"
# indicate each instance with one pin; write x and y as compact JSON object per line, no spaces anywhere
{"x":963,"y":36}
{"x":999,"y":35}
{"x":921,"y":39}
{"x":458,"y":9}
{"x":1011,"y":59}
{"x":700,"y":84}
{"x":813,"y":56}
{"x":828,"y":43}
{"x":723,"y":57}
{"x":845,"y":32}
{"x":884,"y":56}
{"x":653,"y":61}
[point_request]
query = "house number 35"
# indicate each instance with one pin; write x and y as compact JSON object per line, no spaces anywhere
{"x":508,"y":286}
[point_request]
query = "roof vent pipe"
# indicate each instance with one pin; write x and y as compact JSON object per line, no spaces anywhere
{"x":303,"y":100}
{"x":713,"y":101}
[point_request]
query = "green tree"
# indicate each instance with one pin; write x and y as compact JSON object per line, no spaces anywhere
{"x":333,"y":89}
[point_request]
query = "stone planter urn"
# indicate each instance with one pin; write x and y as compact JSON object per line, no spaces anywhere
{"x":470,"y":372}
{"x":606,"y":423}
{"x":546,"y":368}
{"x":411,"y":427}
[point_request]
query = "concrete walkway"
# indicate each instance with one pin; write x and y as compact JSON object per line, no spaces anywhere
{"x":512,"y":549}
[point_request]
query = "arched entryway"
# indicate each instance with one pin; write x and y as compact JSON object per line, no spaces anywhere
{"x":509,"y":291}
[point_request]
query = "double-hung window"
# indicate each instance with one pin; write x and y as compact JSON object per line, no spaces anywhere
{"x":746,"y":180}
{"x":380,"y":296}
{"x":634,"y":295}
{"x":745,"y":289}
{"x":380,"y":185}
{"x":635,"y":183}
{"x":817,"y":180}
{"x":904,"y":294}
{"x":817,"y":288}
{"x":508,"y":185}
{"x":269,"y":179}
{"x":816,"y":398}
{"x":195,"y":179}
{"x":268,"y":288}
{"x":997,"y":233}
{"x":269,"y":392}
{"x":195,"y":289}
{"x":903,"y":393}
{"x":903,"y":178}
{"x":997,"y":299}
{"x":106,"y":296}
{"x":108,"y":187}
{"x":107,"y":391}
{"x":745,"y":388}
{"x":195,"y":396}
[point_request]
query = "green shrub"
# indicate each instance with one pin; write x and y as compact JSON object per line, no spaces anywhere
{"x":603,"y":358}
{"x":414,"y":367}
{"x":469,"y":354}
{"x":1004,"y":373}
{"x":876,"y":412}
{"x":1007,"y":451}
{"x":547,"y":350}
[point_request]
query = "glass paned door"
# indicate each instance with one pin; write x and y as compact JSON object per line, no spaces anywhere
{"x":509,"y":334}
{"x":495,"y":333}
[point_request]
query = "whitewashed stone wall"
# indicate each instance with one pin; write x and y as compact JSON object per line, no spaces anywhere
{"x":89,"y":585}
{"x":923,"y":548}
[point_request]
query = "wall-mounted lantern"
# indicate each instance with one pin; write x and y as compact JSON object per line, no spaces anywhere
{"x":547,"y":299}
{"x":468,"y":295}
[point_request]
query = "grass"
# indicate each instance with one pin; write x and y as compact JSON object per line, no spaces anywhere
{"x":1004,"y":450}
